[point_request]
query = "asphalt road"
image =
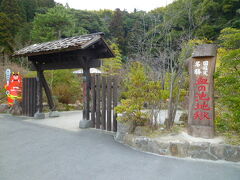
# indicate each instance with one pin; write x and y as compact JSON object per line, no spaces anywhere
{"x":30,"y":151}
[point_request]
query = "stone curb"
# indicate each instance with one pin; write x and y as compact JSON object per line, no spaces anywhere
{"x":196,"y":150}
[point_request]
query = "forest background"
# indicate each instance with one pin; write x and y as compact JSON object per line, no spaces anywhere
{"x":161,"y":40}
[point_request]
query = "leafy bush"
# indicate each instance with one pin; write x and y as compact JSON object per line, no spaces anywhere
{"x":135,"y":94}
{"x":228,"y":81}
{"x":65,"y":85}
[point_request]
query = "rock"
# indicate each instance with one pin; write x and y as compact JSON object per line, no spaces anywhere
{"x":199,"y":150}
{"x":39,"y":115}
{"x":122,"y":130}
{"x":204,"y":155}
{"x":16,"y":109}
{"x":85,"y":124}
{"x":196,"y":147}
{"x":153,"y":147}
{"x":173,"y":149}
{"x":217,"y":150}
{"x":4,"y":108}
{"x":128,"y":139}
{"x":179,"y":149}
{"x":54,"y":114}
{"x":140,"y":131}
{"x":226,"y":152}
{"x":232,"y":153}
{"x":123,"y":127}
{"x":141,"y":142}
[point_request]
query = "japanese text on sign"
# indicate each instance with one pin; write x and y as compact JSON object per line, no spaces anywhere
{"x":202,"y":99}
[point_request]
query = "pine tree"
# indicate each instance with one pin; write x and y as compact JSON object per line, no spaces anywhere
{"x":46,"y":3}
{"x":113,"y":65}
{"x":56,"y":23}
{"x":6,"y":39}
{"x":14,"y":12}
{"x":30,"y":7}
{"x":117,"y":29}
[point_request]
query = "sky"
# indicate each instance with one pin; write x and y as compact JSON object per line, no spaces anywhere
{"x":128,"y":5}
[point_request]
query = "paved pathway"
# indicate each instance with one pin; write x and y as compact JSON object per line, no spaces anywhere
{"x":37,"y":151}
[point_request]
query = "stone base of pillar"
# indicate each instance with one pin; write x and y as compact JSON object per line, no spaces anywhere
{"x":54,"y":114}
{"x":201,"y":131}
{"x":39,"y":115}
{"x":85,"y":124}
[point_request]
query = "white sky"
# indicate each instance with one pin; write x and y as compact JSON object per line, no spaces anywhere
{"x":129,"y":5}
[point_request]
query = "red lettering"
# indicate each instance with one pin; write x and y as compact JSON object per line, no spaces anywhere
{"x":203,"y":106}
{"x":201,"y":80}
{"x":201,"y":115}
{"x":201,"y":88}
{"x":201,"y":96}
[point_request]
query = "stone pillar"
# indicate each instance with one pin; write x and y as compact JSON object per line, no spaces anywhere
{"x":201,"y":97}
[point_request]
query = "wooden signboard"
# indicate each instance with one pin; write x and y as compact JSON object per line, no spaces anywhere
{"x":201,"y":97}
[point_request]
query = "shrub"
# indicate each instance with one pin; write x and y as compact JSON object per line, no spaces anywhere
{"x":135,"y":94}
{"x":228,"y":81}
{"x":65,"y":85}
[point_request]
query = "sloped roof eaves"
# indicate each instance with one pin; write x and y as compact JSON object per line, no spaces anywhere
{"x":67,"y":44}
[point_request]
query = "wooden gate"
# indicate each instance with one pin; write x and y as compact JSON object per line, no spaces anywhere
{"x":104,"y":97}
{"x":29,"y":97}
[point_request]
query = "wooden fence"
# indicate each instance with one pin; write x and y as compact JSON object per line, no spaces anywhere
{"x":104,"y":97}
{"x":29,"y":97}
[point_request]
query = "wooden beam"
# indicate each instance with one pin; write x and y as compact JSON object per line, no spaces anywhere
{"x":47,"y":91}
{"x":64,"y":63}
{"x":45,"y":86}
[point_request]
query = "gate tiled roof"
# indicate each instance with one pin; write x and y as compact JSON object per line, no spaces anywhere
{"x":62,"y":45}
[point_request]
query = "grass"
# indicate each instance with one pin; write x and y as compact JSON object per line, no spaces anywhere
{"x":231,"y":138}
{"x":161,"y":131}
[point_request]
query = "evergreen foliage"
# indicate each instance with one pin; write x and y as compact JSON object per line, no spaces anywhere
{"x":14,"y":13}
{"x":228,"y":81}
{"x":55,"y":24}
{"x":135,"y":94}
{"x":112,"y":66}
{"x":6,"y":39}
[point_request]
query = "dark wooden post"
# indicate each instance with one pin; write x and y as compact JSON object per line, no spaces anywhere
{"x":86,"y":95}
{"x":44,"y":84}
{"x":109,"y":103}
{"x":47,"y":91}
{"x":115,"y":100}
{"x":93,"y":93}
{"x":98,"y":100}
{"x":39,"y":96}
{"x":201,"y":98}
{"x":103,"y":118}
{"x":29,"y":100}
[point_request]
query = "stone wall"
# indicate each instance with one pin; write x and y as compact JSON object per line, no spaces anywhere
{"x":197,"y":150}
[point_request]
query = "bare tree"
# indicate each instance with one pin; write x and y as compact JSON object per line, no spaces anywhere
{"x":157,"y":48}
